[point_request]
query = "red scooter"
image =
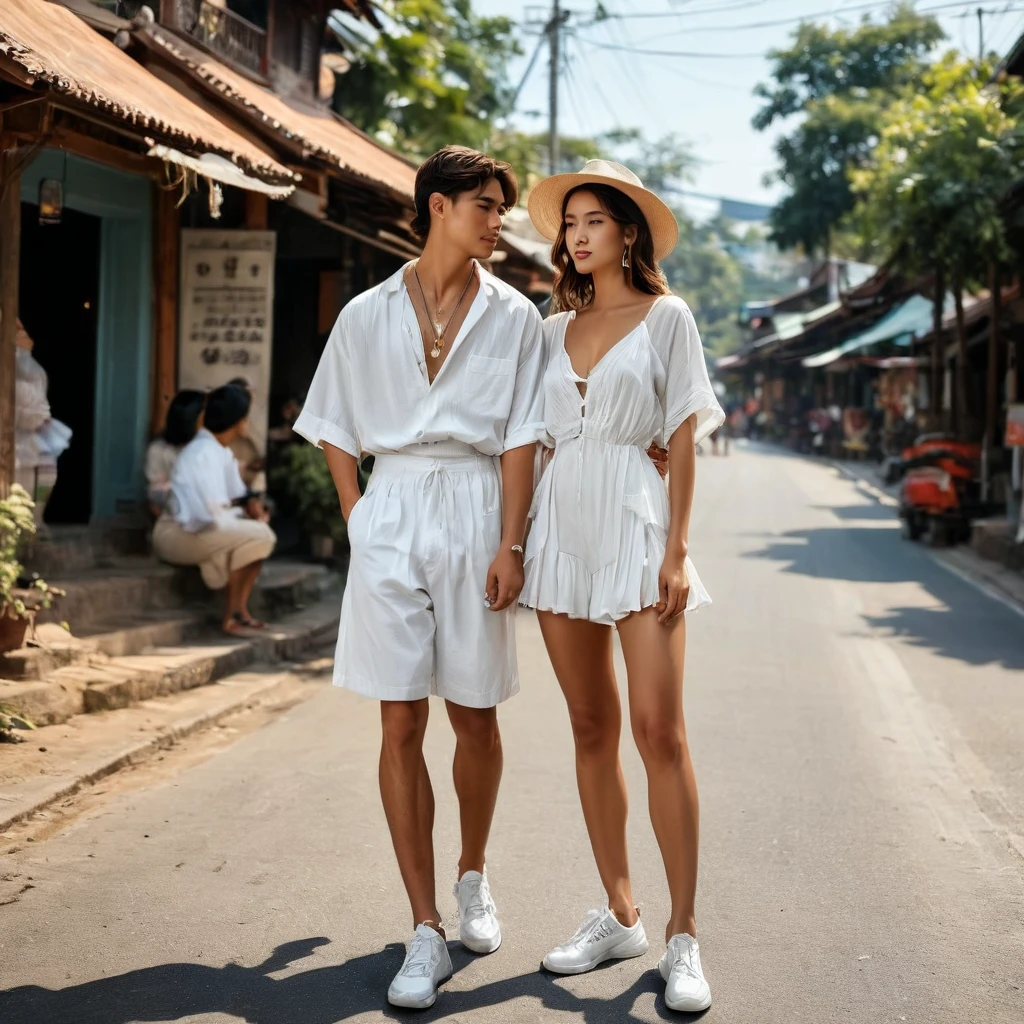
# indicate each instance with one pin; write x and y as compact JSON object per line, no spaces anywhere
{"x":941,"y":492}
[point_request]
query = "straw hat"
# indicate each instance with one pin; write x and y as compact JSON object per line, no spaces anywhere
{"x":548,"y":197}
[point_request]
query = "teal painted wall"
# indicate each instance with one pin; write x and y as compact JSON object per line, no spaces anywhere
{"x":124,"y":317}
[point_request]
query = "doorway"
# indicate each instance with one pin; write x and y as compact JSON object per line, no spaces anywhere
{"x":58,"y":304}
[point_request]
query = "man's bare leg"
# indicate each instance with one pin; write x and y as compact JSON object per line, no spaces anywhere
{"x":409,"y":803}
{"x":477,"y":773}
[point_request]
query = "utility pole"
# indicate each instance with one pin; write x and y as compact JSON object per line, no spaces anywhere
{"x":555,"y":39}
{"x":981,"y":34}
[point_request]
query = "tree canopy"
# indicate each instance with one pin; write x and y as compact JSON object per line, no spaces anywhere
{"x":435,"y":75}
{"x":841,"y":80}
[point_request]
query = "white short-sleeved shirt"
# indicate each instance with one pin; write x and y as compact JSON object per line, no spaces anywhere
{"x":371,"y":393}
{"x":204,"y":483}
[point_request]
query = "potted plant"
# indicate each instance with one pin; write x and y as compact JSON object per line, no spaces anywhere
{"x":301,"y":472}
{"x":20,"y":598}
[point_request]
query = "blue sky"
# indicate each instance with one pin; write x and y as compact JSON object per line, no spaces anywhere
{"x":706,"y":99}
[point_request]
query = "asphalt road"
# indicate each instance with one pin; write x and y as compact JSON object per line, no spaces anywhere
{"x":857,"y":720}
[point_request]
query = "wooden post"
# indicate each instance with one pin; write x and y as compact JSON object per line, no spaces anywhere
{"x":256,"y":211}
{"x":938,"y":351}
{"x":995,"y":339}
{"x":10,"y":258}
{"x":165,"y":308}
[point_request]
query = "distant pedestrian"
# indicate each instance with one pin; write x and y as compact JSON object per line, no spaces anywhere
{"x":435,"y":372}
{"x":210,"y":518}
{"x":609,"y":545}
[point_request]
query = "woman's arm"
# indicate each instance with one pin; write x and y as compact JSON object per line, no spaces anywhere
{"x":674,"y":584}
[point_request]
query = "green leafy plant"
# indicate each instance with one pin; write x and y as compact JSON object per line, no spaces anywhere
{"x":301,"y":472}
{"x":11,"y":722}
{"x":18,"y":600}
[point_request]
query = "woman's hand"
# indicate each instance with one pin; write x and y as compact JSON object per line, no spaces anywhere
{"x":659,"y":456}
{"x":673,"y":586}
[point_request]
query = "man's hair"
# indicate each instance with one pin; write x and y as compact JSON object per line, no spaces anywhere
{"x":454,"y":170}
{"x":225,"y":407}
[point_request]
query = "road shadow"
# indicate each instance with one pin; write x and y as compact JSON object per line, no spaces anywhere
{"x":321,"y":995}
{"x":968,"y":627}
{"x":845,"y":553}
{"x":871,"y":511}
{"x":970,"y":635}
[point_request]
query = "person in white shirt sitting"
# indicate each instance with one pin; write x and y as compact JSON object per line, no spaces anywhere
{"x":210,"y":519}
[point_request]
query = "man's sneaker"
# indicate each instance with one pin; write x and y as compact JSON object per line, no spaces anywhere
{"x":599,"y":938}
{"x":478,"y":916}
{"x":685,"y":987}
{"x":426,"y":965}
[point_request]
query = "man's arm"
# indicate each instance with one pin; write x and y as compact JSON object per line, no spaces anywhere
{"x":505,"y":577}
{"x":345,"y":474}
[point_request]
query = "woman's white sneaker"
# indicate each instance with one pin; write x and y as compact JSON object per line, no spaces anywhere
{"x":685,"y":987}
{"x":479,"y":930}
{"x":601,"y":937}
{"x":426,"y":965}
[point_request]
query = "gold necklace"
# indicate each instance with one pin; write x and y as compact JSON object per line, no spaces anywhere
{"x":436,"y":327}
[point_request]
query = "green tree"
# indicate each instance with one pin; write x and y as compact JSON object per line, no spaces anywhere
{"x":931,"y":197}
{"x":436,"y":74}
{"x":841,"y":81}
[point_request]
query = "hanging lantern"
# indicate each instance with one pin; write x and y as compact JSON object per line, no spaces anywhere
{"x":51,"y":201}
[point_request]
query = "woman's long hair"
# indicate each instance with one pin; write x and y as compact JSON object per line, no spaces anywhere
{"x":183,"y":417}
{"x":573,"y":290}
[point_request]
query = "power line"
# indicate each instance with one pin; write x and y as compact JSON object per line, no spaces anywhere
{"x":671,"y":53}
{"x":692,"y":54}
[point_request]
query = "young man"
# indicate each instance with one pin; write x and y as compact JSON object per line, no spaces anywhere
{"x":437,"y":373}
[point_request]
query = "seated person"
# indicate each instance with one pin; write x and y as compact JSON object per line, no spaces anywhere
{"x":210,"y":519}
{"x":179,"y":428}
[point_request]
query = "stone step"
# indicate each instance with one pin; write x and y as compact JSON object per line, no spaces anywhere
{"x":103,"y":683}
{"x":61,"y":550}
{"x":131,"y":585}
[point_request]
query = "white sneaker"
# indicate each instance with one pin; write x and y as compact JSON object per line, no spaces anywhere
{"x":426,"y":965}
{"x":601,"y":937}
{"x":478,"y":916}
{"x":685,"y":987}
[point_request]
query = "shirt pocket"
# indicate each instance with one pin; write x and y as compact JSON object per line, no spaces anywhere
{"x":489,"y":382}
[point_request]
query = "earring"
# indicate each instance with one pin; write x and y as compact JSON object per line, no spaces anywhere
{"x":625,"y":258}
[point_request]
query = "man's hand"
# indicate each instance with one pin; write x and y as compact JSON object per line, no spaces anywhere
{"x":659,"y":456}
{"x":504,"y":580}
{"x":673,"y":586}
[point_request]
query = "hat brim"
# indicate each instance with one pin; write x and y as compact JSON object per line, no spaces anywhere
{"x":548,"y":197}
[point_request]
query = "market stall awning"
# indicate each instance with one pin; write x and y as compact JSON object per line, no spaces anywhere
{"x":902,"y":325}
{"x":316,"y":130}
{"x":45,"y":44}
{"x":789,"y":326}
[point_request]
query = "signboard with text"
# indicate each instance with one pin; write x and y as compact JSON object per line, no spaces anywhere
{"x":227,"y":313}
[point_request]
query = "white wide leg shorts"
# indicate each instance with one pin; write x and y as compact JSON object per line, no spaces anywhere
{"x":413,"y":618}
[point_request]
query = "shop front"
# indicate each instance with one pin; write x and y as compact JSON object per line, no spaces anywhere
{"x":85,"y":300}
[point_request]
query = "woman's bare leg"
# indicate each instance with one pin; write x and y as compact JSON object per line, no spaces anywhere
{"x":654,"y":665}
{"x":581,"y":654}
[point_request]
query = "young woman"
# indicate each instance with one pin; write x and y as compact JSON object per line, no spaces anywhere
{"x":608,"y":547}
{"x":210,"y":519}
{"x":180,"y":427}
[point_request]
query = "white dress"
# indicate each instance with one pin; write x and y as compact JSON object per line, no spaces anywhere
{"x":600,"y":514}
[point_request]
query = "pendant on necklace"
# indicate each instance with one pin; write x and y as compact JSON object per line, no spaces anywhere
{"x":436,"y":350}
{"x":438,"y":328}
